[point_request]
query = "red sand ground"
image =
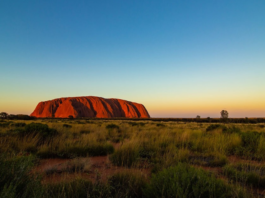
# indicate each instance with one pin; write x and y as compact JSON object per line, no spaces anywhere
{"x":89,"y":106}
{"x":100,"y":170}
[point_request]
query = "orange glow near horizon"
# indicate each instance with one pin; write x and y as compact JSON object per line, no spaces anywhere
{"x":170,"y":108}
{"x":236,"y":108}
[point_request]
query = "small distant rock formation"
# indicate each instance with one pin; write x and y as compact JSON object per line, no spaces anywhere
{"x":90,"y":107}
{"x":224,"y":114}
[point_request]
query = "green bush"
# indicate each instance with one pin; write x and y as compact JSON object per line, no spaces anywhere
{"x":77,"y":188}
{"x":137,"y":124}
{"x":183,"y":181}
{"x":85,"y":132}
{"x":160,"y":125}
{"x":15,"y":180}
{"x":125,"y":156}
{"x":127,"y":184}
{"x":215,"y":126}
{"x":250,"y":143}
{"x":72,"y":151}
{"x":18,"y":124}
{"x":5,"y":124}
{"x":67,"y":126}
{"x":248,"y":174}
{"x":112,"y":126}
{"x":147,"y":151}
{"x":231,"y":129}
{"x":38,"y":128}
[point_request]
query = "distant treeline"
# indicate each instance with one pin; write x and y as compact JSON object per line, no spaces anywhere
{"x":199,"y":120}
{"x":20,"y":117}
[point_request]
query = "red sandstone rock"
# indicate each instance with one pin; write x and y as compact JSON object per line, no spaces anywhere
{"x":89,"y":106}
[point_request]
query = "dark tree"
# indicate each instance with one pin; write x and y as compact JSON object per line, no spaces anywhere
{"x":224,"y":114}
{"x":3,"y":115}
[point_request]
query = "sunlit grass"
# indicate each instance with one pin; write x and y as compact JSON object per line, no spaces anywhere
{"x":152,"y":145}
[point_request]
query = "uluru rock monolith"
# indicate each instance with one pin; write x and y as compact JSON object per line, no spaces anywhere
{"x":90,"y":107}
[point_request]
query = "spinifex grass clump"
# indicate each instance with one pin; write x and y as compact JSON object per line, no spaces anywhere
{"x":38,"y":129}
{"x":251,"y":145}
{"x":232,"y":129}
{"x":127,"y":184}
{"x":253,"y":175}
{"x":5,"y":124}
{"x":160,"y":125}
{"x":183,"y":181}
{"x":18,"y":124}
{"x":137,"y":124}
{"x":76,"y":150}
{"x":115,"y":134}
{"x":112,"y":126}
{"x":85,"y":132}
{"x":15,"y":178}
{"x":67,"y":126}
{"x":215,"y":126}
{"x":77,"y":188}
{"x":43,"y":132}
{"x":125,"y":156}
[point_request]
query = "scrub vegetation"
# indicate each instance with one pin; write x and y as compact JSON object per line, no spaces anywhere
{"x":131,"y":158}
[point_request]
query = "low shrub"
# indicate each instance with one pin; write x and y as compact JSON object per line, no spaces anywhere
{"x":39,"y":128}
{"x":231,"y":129}
{"x":72,"y":151}
{"x":250,"y":143}
{"x":79,"y":122}
{"x":213,"y":127}
{"x":15,"y":180}
{"x":125,"y":156}
{"x":75,"y":189}
{"x":127,"y":184}
{"x":5,"y":124}
{"x":183,"y":181}
{"x":147,"y":151}
{"x":18,"y":124}
{"x":137,"y":124}
{"x":247,"y":174}
{"x":261,"y":126}
{"x":112,"y":126}
{"x":67,"y":126}
{"x":85,"y":132}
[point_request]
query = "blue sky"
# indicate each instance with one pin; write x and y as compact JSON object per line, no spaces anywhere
{"x":178,"y":58}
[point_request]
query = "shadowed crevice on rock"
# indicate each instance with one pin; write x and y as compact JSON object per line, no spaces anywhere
{"x":137,"y":111}
{"x":116,"y":106}
{"x":82,"y":110}
{"x":91,"y":106}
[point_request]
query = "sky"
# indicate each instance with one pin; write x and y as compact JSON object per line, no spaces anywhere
{"x":177,"y":58}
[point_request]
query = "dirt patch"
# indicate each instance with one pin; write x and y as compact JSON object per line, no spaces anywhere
{"x":100,"y":169}
{"x":235,"y":159}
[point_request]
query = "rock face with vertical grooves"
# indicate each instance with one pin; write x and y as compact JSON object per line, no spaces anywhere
{"x":90,"y":107}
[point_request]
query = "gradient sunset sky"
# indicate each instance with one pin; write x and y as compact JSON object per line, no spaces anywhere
{"x":178,"y":58}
